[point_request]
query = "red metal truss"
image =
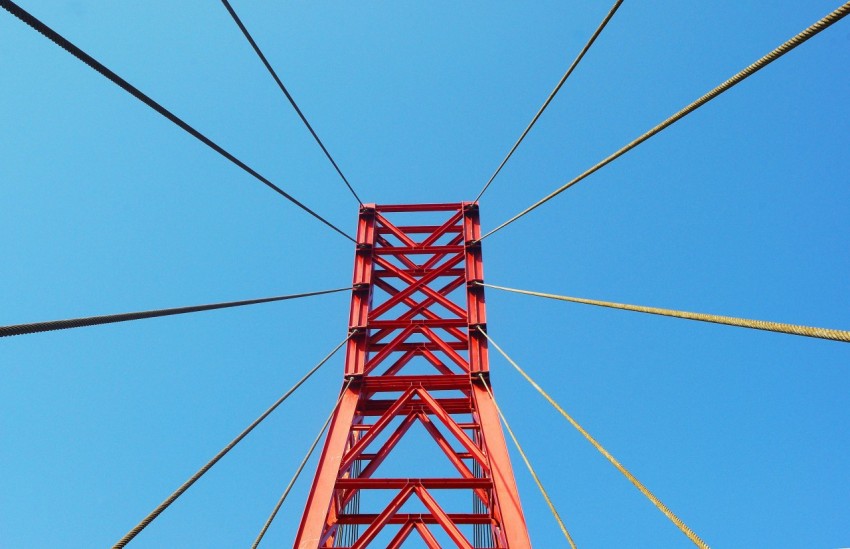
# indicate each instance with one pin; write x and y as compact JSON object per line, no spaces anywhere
{"x":414,"y":359}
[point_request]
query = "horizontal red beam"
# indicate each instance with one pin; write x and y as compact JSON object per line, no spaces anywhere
{"x":418,"y":207}
{"x":431,"y":323}
{"x":427,"y":483}
{"x":402,"y":518}
{"x":457,"y":346}
{"x":417,"y":250}
{"x":379,"y":407}
{"x":383,"y":273}
{"x":460,"y":455}
{"x":421,"y":229}
{"x":464,"y":426}
{"x":376,"y":384}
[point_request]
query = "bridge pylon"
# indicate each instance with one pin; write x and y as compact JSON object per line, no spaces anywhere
{"x":415,"y":361}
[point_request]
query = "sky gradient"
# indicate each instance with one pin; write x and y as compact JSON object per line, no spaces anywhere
{"x":741,"y":209}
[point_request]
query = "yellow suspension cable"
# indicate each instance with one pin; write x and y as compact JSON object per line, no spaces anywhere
{"x":793,"y":329}
{"x":643,"y":489}
{"x":528,"y":465}
{"x":289,"y":486}
{"x":128,"y":537}
{"x":549,"y":99}
{"x":778,"y":52}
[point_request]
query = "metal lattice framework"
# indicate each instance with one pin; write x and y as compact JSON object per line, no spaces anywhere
{"x":408,"y":315}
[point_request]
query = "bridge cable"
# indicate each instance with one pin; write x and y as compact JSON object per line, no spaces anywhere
{"x":793,"y":329}
{"x":809,"y":32}
{"x":643,"y":489}
{"x":528,"y":463}
{"x":186,"y":485}
{"x":35,"y":327}
{"x":552,"y":95}
{"x":300,"y":468}
{"x":65,"y":44}
{"x":274,"y":75}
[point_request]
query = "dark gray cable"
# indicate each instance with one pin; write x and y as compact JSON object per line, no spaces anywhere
{"x":66,"y":45}
{"x":567,"y":74}
{"x":35,"y":327}
{"x":287,"y":94}
{"x":186,"y":485}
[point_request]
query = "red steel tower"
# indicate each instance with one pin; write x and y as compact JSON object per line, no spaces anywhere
{"x":415,"y":361}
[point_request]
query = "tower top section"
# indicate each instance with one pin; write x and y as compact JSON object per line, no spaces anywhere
{"x":416,"y":361}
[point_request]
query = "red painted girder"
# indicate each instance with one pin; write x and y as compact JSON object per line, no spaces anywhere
{"x":380,"y":407}
{"x":377,"y":384}
{"x":460,"y":434}
{"x":316,"y":512}
{"x":385,"y":349}
{"x":409,"y":355}
{"x":384,"y":450}
{"x":417,"y":308}
{"x":509,"y":511}
{"x":361,"y":295}
{"x":461,"y":455}
{"x":475,"y":305}
{"x":400,"y":343}
{"x":360,"y":428}
{"x":455,"y":460}
{"x":383,"y":518}
{"x":442,"y":518}
{"x":387,"y":256}
{"x":389,"y":228}
{"x":420,"y":307}
{"x":401,"y":518}
{"x":418,"y":285}
{"x":417,"y":250}
{"x":434,"y":271}
{"x":449,"y":226}
{"x":389,"y":208}
{"x":402,"y":535}
{"x":425,"y":404}
{"x":443,"y":230}
{"x":457,"y":239}
{"x":406,"y":530}
{"x":457,"y":346}
{"x":429,"y":322}
{"x":376,"y":459}
{"x":422,"y":229}
{"x":383,"y":273}
{"x":447,"y":347}
{"x":399,"y":483}
{"x":381,"y":242}
{"x":352,"y":453}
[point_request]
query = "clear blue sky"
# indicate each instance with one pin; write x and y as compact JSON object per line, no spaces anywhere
{"x":743,"y":208}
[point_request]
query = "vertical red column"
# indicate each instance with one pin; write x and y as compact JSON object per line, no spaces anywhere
{"x":474,"y":292}
{"x":415,"y":360}
{"x":361,"y":294}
